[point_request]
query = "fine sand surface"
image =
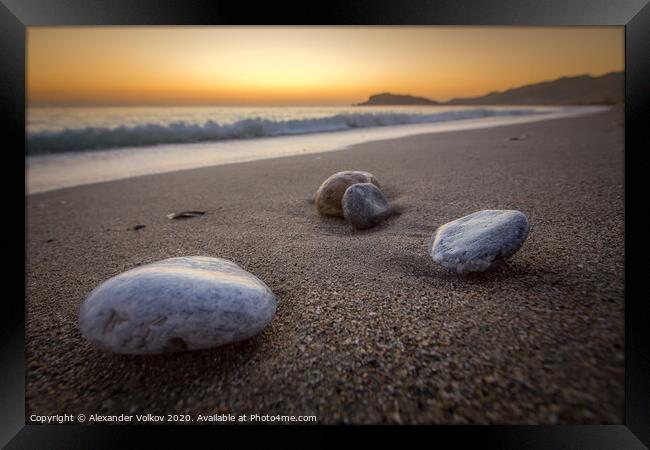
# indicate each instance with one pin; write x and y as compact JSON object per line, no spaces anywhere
{"x":368,"y":328}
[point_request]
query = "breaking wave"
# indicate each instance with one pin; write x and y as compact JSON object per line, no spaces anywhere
{"x":97,"y":138}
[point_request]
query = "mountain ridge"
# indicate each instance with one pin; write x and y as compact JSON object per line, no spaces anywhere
{"x":568,"y":90}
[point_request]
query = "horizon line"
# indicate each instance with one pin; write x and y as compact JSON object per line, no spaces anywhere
{"x":91,"y":104}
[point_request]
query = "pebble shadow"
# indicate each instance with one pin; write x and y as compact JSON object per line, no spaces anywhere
{"x":337,"y":226}
{"x":212,"y":360}
{"x":504,"y":271}
{"x":422,"y":266}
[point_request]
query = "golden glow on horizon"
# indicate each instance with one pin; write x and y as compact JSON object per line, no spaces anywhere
{"x":303,"y":65}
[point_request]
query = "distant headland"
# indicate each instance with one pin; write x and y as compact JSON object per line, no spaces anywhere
{"x":387,"y":98}
{"x":578,"y":90}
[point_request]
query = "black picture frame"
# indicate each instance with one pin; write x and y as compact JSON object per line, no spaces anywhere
{"x":16,"y":15}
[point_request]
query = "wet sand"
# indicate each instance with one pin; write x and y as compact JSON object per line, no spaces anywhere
{"x":368,"y":328}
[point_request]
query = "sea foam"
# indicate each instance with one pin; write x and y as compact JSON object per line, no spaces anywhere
{"x":97,"y":138}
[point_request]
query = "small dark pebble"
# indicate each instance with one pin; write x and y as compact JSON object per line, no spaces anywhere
{"x":49,"y":240}
{"x":185,"y":214}
{"x":517,"y":138}
{"x":139,"y":227}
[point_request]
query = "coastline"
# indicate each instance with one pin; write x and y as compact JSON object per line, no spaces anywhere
{"x":60,"y":170}
{"x":368,"y":328}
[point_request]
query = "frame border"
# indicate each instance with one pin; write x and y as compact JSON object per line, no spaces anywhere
{"x":16,"y":15}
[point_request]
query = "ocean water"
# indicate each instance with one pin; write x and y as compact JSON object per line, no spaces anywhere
{"x":57,"y":130}
{"x":69,"y":146}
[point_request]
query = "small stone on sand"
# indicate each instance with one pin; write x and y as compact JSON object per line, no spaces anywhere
{"x":364,"y":205}
{"x":476,"y":242}
{"x":185,"y":214}
{"x":330,"y":193}
{"x":177,"y":304}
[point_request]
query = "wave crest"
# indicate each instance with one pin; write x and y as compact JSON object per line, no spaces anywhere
{"x":96,"y":138}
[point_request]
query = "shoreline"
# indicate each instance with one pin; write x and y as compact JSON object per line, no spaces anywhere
{"x":368,"y":329}
{"x":45,"y":173}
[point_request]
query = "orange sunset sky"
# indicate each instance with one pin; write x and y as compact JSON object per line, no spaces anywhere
{"x":303,"y":65}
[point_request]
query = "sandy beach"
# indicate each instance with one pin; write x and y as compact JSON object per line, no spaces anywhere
{"x":368,"y":329}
